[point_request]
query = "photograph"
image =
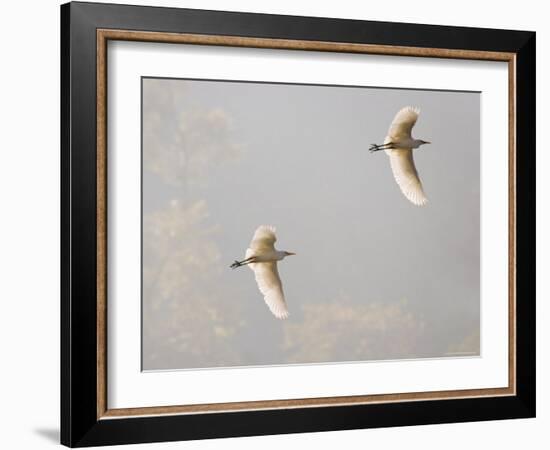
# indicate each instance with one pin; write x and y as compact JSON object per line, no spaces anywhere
{"x":283,"y":221}
{"x":289,"y":223}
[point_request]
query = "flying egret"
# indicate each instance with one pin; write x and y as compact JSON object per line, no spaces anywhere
{"x":399,"y":145}
{"x":262,"y":258}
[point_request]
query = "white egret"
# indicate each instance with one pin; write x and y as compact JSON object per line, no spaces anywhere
{"x":399,"y":145}
{"x":262,"y":258}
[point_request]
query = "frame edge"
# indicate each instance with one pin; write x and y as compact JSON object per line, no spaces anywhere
{"x":65,"y":125}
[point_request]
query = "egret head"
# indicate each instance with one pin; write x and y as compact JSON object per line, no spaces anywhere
{"x":289,"y":253}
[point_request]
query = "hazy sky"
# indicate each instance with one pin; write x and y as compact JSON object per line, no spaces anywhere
{"x":375,"y":277}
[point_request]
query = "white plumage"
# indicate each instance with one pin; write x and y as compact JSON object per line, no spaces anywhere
{"x":403,"y":123}
{"x":262,"y":258}
{"x":264,"y":238}
{"x":399,"y":145}
{"x":406,"y":176}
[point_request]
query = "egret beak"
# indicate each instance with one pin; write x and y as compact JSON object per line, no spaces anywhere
{"x":290,"y":253}
{"x":427,"y":142}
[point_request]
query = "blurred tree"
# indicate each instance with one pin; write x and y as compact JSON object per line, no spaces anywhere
{"x":181,"y":142}
{"x":190,"y":319}
{"x":468,"y":346}
{"x":340,"y":330}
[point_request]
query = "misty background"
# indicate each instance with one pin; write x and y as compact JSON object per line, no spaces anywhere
{"x":375,"y":277}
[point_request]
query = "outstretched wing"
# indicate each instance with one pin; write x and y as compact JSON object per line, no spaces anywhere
{"x":403,"y":123}
{"x":264,"y":238}
{"x":404,"y":172}
{"x":271,"y":287}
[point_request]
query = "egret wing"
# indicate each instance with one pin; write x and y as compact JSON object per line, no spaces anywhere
{"x":264,"y":238}
{"x":403,"y":123}
{"x":271,"y":287}
{"x":406,"y":176}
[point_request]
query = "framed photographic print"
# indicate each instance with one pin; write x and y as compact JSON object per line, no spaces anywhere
{"x":277,"y":224}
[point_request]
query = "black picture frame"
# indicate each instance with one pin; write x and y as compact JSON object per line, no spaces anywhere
{"x":80,"y":425}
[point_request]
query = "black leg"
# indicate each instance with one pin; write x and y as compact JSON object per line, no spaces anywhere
{"x":377,"y":148}
{"x":244,"y":262}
